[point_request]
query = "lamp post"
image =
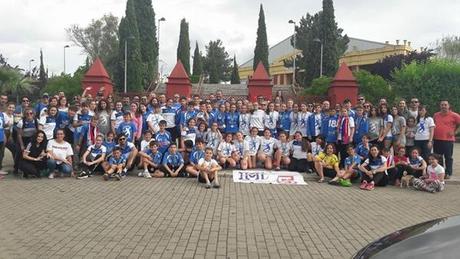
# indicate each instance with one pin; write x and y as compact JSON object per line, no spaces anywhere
{"x":66,"y":46}
{"x":321,"y":59}
{"x":126,"y":62}
{"x":295,"y":54}
{"x":162,"y":19}
{"x":30,"y":66}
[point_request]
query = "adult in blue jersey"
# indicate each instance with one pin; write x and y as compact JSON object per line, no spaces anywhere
{"x":232,"y":120}
{"x":93,"y":158}
{"x":329,"y":126}
{"x":39,"y":107}
{"x":284,"y":122}
{"x":128,"y":151}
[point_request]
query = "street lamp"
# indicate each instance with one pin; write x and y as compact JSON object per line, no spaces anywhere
{"x":30,"y":66}
{"x":295,"y":54}
{"x":321,"y":59}
{"x":126,"y":61}
{"x":66,"y":46}
{"x":162,"y":19}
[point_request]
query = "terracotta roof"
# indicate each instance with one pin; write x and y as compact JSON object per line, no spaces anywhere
{"x":178,"y":71}
{"x":97,"y":69}
{"x":260,"y":73}
{"x":344,"y":73}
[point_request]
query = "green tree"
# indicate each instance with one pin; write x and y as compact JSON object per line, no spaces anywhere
{"x":235,"y":77}
{"x":42,"y":75}
{"x":183,"y":48}
{"x":319,"y":86}
{"x":98,"y":39}
{"x":261,"y":49}
{"x":128,"y":33}
{"x":449,"y":47}
{"x":197,"y":65}
{"x":13,"y":81}
{"x":320,"y":26}
{"x":145,"y":17}
{"x":431,"y":82}
{"x":373,"y":87}
{"x":217,"y":62}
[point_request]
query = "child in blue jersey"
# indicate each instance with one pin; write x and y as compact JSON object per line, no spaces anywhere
{"x":361,"y":125}
{"x":117,"y":116}
{"x":173,"y":162}
{"x":189,"y":132}
{"x":163,"y":137}
{"x":373,"y":170}
{"x":284,"y":122}
{"x":109,"y":143}
{"x":127,"y":127}
{"x":314,"y":123}
{"x":329,"y":127}
{"x":232,"y":120}
{"x":2,"y":141}
{"x":151,"y":161}
{"x":48,"y":122}
{"x":115,"y":166}
{"x":220,"y":118}
{"x":350,"y":170}
{"x":92,"y":159}
{"x":185,"y":116}
{"x":195,"y":156}
{"x":362,"y":149}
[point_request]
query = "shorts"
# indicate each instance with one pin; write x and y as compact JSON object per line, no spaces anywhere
{"x":328,"y":172}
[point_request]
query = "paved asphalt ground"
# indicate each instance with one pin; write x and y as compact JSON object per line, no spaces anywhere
{"x":177,"y":218}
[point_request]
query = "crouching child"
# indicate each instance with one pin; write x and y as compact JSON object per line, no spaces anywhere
{"x":433,"y":180}
{"x":114,"y":168}
{"x":208,"y":170}
{"x":151,"y":161}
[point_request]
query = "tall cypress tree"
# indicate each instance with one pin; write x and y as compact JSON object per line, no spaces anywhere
{"x":145,"y":18}
{"x":235,"y":77}
{"x":129,"y":34}
{"x":197,"y":62}
{"x":183,"y":48}
{"x":261,"y":49}
{"x":43,"y":75}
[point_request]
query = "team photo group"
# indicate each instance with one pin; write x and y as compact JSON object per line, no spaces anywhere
{"x":369,"y":144}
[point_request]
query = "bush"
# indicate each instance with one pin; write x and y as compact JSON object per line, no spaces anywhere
{"x":373,"y":87}
{"x":431,"y":82}
{"x":319,"y":86}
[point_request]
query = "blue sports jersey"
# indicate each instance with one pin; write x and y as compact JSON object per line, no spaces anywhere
{"x":362,"y":151}
{"x":185,"y":116}
{"x":63,"y":120}
{"x":220,"y":119}
{"x":95,"y":150}
{"x":375,"y":163}
{"x":115,"y":161}
{"x":163,"y":140}
{"x":126,"y":149}
{"x":285,"y":121}
{"x":352,"y":159}
{"x":329,"y":128}
{"x":156,"y":157}
{"x":232,"y":122}
{"x":196,"y":155}
{"x":361,"y":129}
{"x":109,"y":146}
{"x":145,"y":125}
{"x":314,"y":124}
{"x":39,"y":108}
{"x":128,"y":129}
{"x":173,"y":159}
{"x":2,"y":127}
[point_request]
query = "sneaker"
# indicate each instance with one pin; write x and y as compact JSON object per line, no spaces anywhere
{"x":345,"y":182}
{"x":51,"y":176}
{"x":82,"y":175}
{"x":208,"y":186}
{"x":370,"y":186}
{"x":363,"y":185}
{"x":105,"y":177}
{"x":3,"y":172}
{"x":118,"y":177}
{"x":216,"y":184}
{"x":140,"y":174}
{"x":147,"y":174}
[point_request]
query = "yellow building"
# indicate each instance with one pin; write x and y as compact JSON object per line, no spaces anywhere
{"x":360,"y":53}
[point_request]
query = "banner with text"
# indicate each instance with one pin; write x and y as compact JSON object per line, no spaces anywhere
{"x":265,"y":176}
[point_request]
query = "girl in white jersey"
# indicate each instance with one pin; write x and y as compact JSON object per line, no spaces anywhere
{"x":251,"y":147}
{"x":302,"y":119}
{"x":245,"y":119}
{"x":225,"y":152}
{"x":267,"y":146}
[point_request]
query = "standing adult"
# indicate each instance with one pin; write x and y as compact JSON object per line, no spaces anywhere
{"x":447,"y":125}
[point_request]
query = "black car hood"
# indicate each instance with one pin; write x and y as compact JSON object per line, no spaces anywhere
{"x":439,"y":238}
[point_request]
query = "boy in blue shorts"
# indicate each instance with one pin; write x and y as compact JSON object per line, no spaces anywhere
{"x":163,"y":137}
{"x":151,"y":161}
{"x":351,"y":168}
{"x":173,"y":162}
{"x":195,"y":156}
{"x":115,"y":166}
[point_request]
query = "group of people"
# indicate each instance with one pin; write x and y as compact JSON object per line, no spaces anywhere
{"x":155,"y":136}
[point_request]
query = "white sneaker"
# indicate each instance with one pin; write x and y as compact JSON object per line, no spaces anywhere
{"x":147,"y":174}
{"x":140,"y":174}
{"x":3,"y":172}
{"x":51,"y":176}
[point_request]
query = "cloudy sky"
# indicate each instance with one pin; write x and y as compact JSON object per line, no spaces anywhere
{"x":28,"y":25}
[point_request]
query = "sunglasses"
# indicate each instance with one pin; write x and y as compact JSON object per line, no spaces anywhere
{"x":25,"y":101}
{"x":361,"y":99}
{"x":121,"y":139}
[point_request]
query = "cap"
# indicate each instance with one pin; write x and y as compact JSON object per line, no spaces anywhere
{"x":45,"y":95}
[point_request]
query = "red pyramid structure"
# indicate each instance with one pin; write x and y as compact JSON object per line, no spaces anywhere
{"x":344,"y":86}
{"x":260,"y":84}
{"x":97,"y":77}
{"x":178,"y":82}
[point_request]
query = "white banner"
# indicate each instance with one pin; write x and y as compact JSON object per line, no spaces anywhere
{"x":265,"y":176}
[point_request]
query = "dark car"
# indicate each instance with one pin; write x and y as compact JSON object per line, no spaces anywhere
{"x":439,"y":238}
